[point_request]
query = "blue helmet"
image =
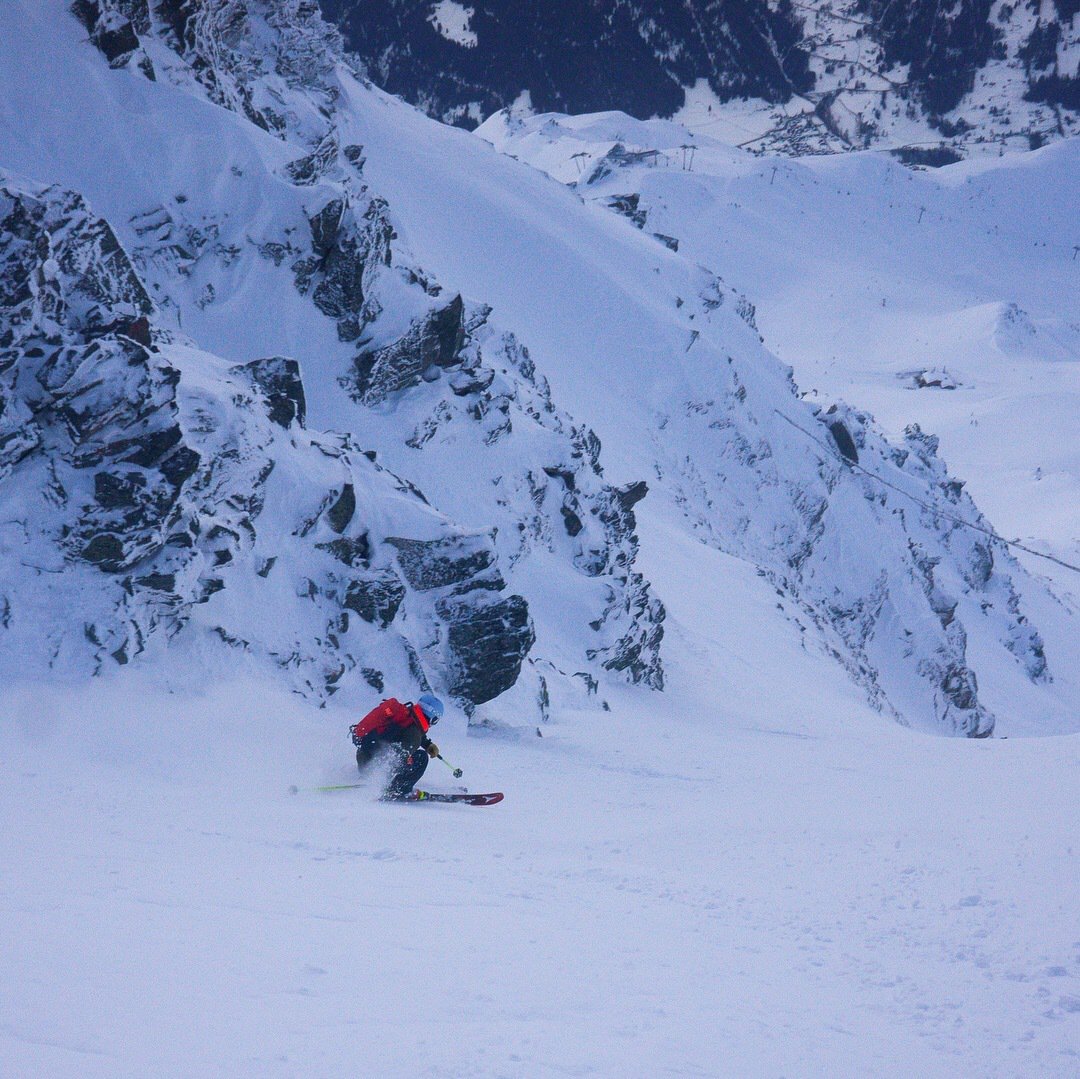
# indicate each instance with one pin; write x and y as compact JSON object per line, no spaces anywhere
{"x":432,"y":706}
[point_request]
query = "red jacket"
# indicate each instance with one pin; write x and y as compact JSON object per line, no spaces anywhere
{"x":390,"y":720}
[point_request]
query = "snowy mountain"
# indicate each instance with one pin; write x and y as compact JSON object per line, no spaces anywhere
{"x":330,"y":247}
{"x":959,"y":280}
{"x":277,"y":210}
{"x":947,"y":297}
{"x":306,"y":399}
{"x":934,"y":80}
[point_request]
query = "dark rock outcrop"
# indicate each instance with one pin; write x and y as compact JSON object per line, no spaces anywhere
{"x":487,"y":640}
{"x":844,"y":442}
{"x":114,"y":27}
{"x":375,"y":598}
{"x":433,"y":341}
{"x":278,"y":378}
{"x":455,"y":563}
{"x":348,"y":251}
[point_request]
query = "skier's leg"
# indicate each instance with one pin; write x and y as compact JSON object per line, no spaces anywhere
{"x":409,"y":766}
{"x":365,"y":752}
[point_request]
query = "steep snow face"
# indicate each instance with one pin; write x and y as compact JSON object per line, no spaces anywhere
{"x":268,"y":234}
{"x":936,"y":80}
{"x":944,"y":298}
{"x":791,"y":885}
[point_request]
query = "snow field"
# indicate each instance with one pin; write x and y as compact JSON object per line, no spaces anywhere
{"x":750,"y":874}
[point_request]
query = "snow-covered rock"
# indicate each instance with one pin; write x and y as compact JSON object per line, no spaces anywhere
{"x":151,"y":488}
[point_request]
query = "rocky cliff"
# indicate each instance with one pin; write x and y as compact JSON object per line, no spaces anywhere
{"x":150,"y":488}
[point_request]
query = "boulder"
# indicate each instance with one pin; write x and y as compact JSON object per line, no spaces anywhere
{"x":487,"y":642}
{"x":375,"y":598}
{"x":432,"y":342}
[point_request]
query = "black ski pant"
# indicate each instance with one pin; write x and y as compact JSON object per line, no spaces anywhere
{"x":407,"y":765}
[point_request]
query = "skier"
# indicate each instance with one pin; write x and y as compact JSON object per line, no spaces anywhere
{"x":400,"y":732}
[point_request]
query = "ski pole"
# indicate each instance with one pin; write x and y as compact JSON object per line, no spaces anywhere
{"x":457,"y":771}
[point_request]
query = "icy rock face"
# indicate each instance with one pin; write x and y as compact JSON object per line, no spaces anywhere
{"x":350,"y":241}
{"x":150,"y":489}
{"x":297,"y":51}
{"x":974,"y":552}
{"x":480,"y":387}
{"x":459,"y":384}
{"x":356,"y":274}
{"x":433,"y":341}
{"x":488,"y":634}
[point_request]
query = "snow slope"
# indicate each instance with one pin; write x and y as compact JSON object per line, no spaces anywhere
{"x":881,"y":284}
{"x":793,"y":888}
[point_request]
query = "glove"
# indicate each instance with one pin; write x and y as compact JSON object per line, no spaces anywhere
{"x":356,"y":739}
{"x":433,"y":749}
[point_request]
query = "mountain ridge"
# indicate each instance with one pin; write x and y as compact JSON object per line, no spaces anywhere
{"x":811,"y":77}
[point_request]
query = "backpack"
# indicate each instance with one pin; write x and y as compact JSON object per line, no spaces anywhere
{"x":386,"y":714}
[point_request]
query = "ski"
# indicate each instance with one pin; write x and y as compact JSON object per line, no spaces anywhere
{"x":490,"y":799}
{"x":468,"y":799}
